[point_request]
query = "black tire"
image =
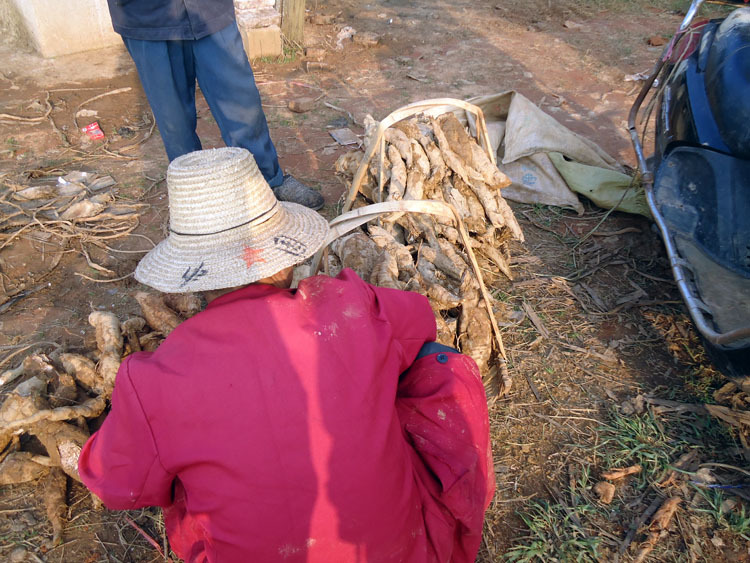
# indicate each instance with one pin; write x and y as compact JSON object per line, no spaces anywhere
{"x":734,"y":363}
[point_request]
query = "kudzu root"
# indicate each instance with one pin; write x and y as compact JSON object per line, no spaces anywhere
{"x":400,"y":142}
{"x":109,"y":342}
{"x":83,"y":371}
{"x":20,"y":467}
{"x":475,"y":333}
{"x":55,"y":485}
{"x":186,"y":304}
{"x":150,"y":342}
{"x":130,"y":329}
{"x":384,"y":240}
{"x":25,"y":400}
{"x":358,"y":252}
{"x":157,"y":314}
{"x":385,"y":272}
{"x":397,"y":186}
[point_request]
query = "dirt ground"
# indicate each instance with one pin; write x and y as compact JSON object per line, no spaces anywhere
{"x":595,"y":321}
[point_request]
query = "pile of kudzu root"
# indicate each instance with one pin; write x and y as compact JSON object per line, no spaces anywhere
{"x":81,"y":207}
{"x":46,"y":419}
{"x":433,"y":159}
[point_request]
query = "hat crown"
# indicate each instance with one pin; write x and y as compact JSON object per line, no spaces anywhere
{"x":216,"y":189}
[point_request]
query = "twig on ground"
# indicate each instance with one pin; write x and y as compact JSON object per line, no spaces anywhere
{"x":97,"y":97}
{"x":342,"y":110}
{"x":635,"y":526}
{"x":616,"y":474}
{"x":532,"y":386}
{"x":607,"y":214}
{"x":608,"y":359}
{"x":90,"y":408}
{"x":34,"y":120}
{"x":659,"y":523}
{"x":535,"y":320}
{"x":18,"y":297}
{"x":616,"y":233}
{"x":84,"y":276}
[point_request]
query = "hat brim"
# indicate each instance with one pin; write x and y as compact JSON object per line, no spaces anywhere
{"x":239,"y":256}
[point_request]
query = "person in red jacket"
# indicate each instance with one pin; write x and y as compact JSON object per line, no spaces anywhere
{"x":316,"y":424}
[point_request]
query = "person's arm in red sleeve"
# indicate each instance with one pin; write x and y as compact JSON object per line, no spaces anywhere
{"x":408,"y":313}
{"x":120,"y":463}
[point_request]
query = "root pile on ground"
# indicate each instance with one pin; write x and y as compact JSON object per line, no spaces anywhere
{"x":80,"y":208}
{"x":46,"y":419}
{"x":433,"y":159}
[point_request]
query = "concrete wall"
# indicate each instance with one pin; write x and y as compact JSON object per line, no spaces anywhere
{"x":12,"y":30}
{"x":61,"y":27}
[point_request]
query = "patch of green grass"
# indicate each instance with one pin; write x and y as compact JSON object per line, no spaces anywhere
{"x":288,"y":55}
{"x":702,"y":381}
{"x":573,"y":526}
{"x":640,"y":439}
{"x":733,"y":519}
{"x":554,"y":535}
{"x":500,"y":295}
{"x":558,"y":532}
{"x":12,"y":146}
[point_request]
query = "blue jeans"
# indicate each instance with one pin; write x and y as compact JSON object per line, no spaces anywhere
{"x":168,"y":71}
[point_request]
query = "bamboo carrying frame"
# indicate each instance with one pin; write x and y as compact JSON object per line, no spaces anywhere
{"x":350,"y":220}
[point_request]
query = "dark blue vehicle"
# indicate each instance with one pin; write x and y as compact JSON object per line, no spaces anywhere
{"x":698,"y":180}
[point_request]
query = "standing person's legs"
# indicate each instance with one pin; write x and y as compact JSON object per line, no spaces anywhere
{"x":167,"y":73}
{"x":227,"y":82}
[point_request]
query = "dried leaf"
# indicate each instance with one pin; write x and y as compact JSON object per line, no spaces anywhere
{"x":605,"y":491}
{"x":620,"y":473}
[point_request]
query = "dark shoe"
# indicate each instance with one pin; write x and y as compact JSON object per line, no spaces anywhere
{"x":294,"y":191}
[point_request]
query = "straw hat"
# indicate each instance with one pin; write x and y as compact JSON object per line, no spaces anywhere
{"x":226,"y":228}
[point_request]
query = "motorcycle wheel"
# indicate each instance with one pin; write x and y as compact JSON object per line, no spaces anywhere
{"x":733,"y":363}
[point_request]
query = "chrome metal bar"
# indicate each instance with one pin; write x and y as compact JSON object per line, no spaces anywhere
{"x":690,"y":15}
{"x":633,"y":116}
{"x":695,"y":307}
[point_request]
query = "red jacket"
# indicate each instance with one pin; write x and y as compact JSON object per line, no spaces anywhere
{"x":269,"y":428}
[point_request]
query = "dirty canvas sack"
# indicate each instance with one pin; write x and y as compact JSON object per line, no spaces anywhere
{"x":536,"y":180}
{"x":522,"y":136}
{"x":606,"y":188}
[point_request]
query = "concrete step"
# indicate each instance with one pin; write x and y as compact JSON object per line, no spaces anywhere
{"x":262,"y":42}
